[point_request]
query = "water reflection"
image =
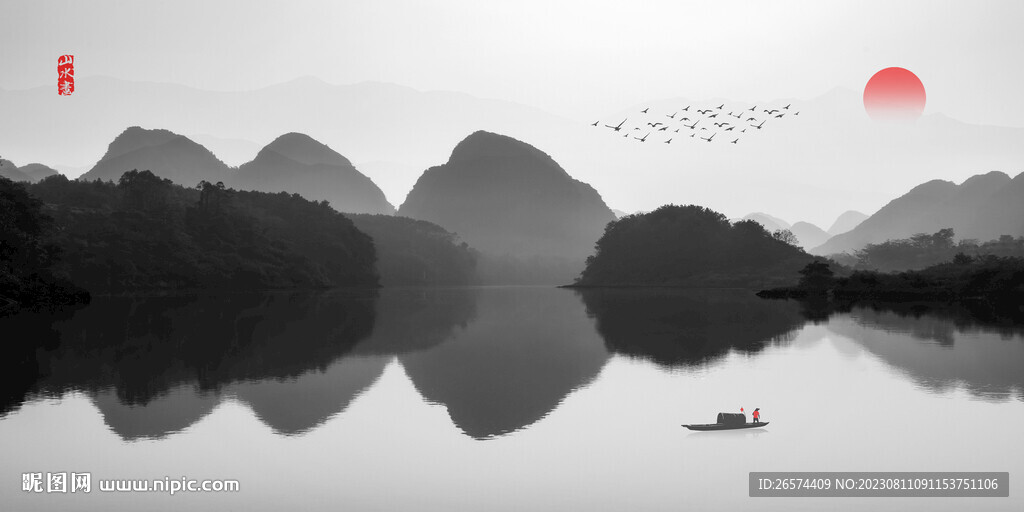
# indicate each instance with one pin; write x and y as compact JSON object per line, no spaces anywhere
{"x":525,"y":352}
{"x":679,"y":328}
{"x":942,"y":348}
{"x":156,"y":365}
{"x":498,"y":359}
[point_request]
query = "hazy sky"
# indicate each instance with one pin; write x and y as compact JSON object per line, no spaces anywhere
{"x":574,"y":58}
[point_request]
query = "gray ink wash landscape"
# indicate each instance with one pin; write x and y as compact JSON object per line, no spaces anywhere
{"x":471,"y":256}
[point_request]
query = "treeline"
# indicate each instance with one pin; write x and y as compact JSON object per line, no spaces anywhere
{"x":988,"y":278}
{"x":27,"y":258}
{"x":144,"y":232}
{"x":924,"y":250}
{"x":690,"y":246}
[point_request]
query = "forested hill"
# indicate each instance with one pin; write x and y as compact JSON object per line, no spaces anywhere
{"x":690,"y":246}
{"x":147,"y":233}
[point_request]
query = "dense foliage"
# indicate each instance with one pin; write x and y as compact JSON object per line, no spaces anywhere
{"x":415,"y":252}
{"x":989,"y":278}
{"x":27,"y":260}
{"x":924,"y":250}
{"x":690,"y":246}
{"x":147,"y":233}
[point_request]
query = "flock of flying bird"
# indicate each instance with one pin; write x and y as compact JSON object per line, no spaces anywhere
{"x":700,"y":120}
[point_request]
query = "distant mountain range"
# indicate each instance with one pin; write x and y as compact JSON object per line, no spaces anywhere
{"x":847,"y":221}
{"x":983,"y":207}
{"x":808,"y":235}
{"x":292,"y":163}
{"x":31,"y":172}
{"x":509,"y":199}
{"x":830,"y":159}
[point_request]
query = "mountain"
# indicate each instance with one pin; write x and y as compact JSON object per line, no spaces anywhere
{"x":512,"y":201}
{"x":407,"y":128}
{"x":165,"y":153}
{"x":983,"y":207}
{"x":847,"y":221}
{"x":829,"y":159}
{"x":808,"y":234}
{"x":37,"y":171}
{"x":10,"y":171}
{"x":297,"y":163}
{"x":30,"y":172}
{"x":769,"y":222}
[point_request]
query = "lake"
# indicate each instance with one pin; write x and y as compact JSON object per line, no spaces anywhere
{"x":519,"y":398}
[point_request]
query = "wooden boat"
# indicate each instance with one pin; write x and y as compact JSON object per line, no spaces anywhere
{"x":727,"y":421}
{"x":725,"y":426}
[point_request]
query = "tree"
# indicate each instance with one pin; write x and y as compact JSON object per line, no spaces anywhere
{"x":817,"y":276}
{"x":787,"y":236}
{"x":962,"y":259}
{"x":212,"y":196}
{"x":144,"y":190}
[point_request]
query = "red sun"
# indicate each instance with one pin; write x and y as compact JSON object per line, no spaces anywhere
{"x":894,"y":94}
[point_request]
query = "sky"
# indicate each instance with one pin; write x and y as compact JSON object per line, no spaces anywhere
{"x":571,"y":58}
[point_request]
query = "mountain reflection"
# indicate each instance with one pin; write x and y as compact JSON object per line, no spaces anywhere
{"x":156,"y":365}
{"x":526,"y":351}
{"x":683,"y":327}
{"x":942,"y":348}
{"x":498,"y":359}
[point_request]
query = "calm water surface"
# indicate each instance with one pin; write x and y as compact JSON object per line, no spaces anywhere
{"x":501,"y":399}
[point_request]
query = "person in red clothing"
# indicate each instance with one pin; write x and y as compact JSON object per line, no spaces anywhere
{"x":757,"y":415}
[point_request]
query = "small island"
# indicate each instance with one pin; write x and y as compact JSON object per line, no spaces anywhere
{"x":691,"y":246}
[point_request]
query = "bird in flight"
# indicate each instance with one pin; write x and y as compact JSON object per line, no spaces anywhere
{"x":735,"y":141}
{"x":709,"y":138}
{"x":644,"y":139}
{"x":780,"y":115}
{"x":723,"y":123}
{"x":712,"y":116}
{"x":653,"y":125}
{"x":752,"y":108}
{"x":595,"y":123}
{"x":668,"y":141}
{"x":663,"y":128}
{"x":751,"y":119}
{"x":673,"y":116}
{"x":729,"y":129}
{"x":619,"y":127}
{"x":787,"y":107}
{"x":702,"y":112}
{"x":758,"y":126}
{"x":720,"y":106}
{"x":687,"y":109}
{"x":770,"y":112}
{"x":796,"y":114}
{"x":692,"y":126}
{"x":644,"y":111}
